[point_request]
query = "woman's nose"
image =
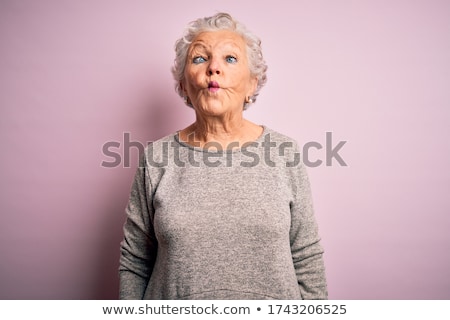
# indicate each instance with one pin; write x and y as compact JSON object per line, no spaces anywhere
{"x":214,"y":67}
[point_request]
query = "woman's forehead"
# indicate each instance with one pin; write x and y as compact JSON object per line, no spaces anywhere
{"x":221,"y":38}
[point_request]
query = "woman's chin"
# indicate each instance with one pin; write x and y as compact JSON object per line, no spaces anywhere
{"x":213,"y":109}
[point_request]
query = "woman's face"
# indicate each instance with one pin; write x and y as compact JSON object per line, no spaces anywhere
{"x":217,"y":77}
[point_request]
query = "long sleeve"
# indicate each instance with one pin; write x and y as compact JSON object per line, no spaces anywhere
{"x":139,"y":246}
{"x":305,"y":241}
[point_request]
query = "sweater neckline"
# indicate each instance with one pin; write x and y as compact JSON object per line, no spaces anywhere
{"x":211,"y":149}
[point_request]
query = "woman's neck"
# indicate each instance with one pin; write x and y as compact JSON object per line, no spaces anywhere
{"x":224,"y":132}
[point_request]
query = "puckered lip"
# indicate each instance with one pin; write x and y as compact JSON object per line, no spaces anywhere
{"x":213,"y":84}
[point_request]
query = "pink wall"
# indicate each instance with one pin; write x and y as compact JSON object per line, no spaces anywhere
{"x":77,"y":74}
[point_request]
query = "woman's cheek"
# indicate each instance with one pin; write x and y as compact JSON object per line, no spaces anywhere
{"x":195,"y":80}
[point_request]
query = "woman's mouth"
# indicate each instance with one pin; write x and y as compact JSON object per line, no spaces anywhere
{"x":213,"y":86}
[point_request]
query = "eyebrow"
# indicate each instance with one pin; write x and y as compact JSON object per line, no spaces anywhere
{"x":228,"y":45}
{"x":198,"y":44}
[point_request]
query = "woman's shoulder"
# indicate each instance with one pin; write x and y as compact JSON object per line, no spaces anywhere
{"x":158,"y":150}
{"x":159,"y":143}
{"x":166,"y":138}
{"x":279,"y":138}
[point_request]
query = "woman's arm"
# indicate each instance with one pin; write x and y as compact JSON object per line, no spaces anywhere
{"x":139,"y":246}
{"x":305,"y":241}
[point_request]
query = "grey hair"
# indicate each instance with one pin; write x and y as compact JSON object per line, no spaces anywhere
{"x":220,"y":21}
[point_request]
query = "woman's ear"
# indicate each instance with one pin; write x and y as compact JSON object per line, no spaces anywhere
{"x":182,"y":86}
{"x":253,"y":86}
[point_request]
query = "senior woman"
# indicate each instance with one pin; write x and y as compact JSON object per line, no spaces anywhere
{"x":221,"y":209}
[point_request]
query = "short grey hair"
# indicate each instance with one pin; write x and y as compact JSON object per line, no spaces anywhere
{"x":220,"y":21}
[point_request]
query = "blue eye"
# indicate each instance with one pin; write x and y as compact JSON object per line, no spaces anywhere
{"x":231,"y":59}
{"x":198,"y":60}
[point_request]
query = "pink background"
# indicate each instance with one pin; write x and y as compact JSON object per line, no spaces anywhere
{"x":77,"y":74}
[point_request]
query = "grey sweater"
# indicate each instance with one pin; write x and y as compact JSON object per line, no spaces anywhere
{"x":234,"y":224}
